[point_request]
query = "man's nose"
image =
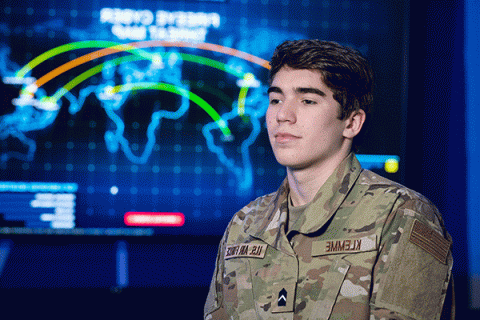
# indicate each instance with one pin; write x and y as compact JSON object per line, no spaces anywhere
{"x":287,"y":112}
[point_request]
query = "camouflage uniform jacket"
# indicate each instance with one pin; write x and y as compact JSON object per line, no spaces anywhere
{"x":365,"y":248}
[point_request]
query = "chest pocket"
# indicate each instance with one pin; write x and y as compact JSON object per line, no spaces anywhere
{"x":327,"y":295}
{"x":237,"y":284}
{"x":346,"y":276}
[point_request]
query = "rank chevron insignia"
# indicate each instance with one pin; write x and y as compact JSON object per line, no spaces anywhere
{"x":282,"y":298}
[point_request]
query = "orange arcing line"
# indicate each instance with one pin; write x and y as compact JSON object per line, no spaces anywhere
{"x":152,"y":43}
{"x":204,"y":46}
{"x":72,"y":64}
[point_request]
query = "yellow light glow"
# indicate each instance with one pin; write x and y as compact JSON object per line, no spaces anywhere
{"x":391,"y":165}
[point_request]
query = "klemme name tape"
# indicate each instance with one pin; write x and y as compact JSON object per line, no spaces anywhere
{"x":154,"y":219}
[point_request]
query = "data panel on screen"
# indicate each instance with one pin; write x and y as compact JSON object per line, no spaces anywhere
{"x":148,"y":117}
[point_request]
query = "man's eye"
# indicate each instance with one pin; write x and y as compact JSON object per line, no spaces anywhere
{"x":308,"y":102}
{"x":274,"y":101}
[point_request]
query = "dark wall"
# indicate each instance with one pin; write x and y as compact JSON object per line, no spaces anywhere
{"x":436,"y":153}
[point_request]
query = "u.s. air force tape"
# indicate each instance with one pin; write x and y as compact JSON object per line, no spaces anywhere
{"x":246,"y":250}
{"x":430,"y":241}
{"x":350,"y":245}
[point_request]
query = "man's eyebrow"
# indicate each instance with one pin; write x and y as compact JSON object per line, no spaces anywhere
{"x":300,"y":90}
{"x":274,"y":89}
{"x":310,"y":90}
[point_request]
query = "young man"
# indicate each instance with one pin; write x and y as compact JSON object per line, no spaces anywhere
{"x":335,"y":241}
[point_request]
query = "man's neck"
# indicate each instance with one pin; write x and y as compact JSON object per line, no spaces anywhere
{"x":305,"y":183}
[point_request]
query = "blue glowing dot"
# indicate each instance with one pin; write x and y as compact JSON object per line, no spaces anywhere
{"x":177,"y":148}
{"x":134,"y":168}
{"x":92,"y":124}
{"x":135,"y":125}
{"x":176,"y":191}
{"x":197,"y":191}
{"x":73,"y":13}
{"x":197,"y":213}
{"x":48,"y":144}
{"x":113,"y":168}
{"x":89,"y":211}
{"x":155,"y":169}
{"x":25,"y":166}
{"x":133,"y":190}
{"x":30,"y":11}
{"x":114,"y":190}
{"x":218,"y":192}
{"x":198,"y":170}
{"x":92,"y":145}
{"x":111,"y":211}
{"x":135,"y":146}
{"x":177,"y":169}
{"x":91,"y":189}
{"x":69,"y":167}
{"x":218,"y":170}
{"x":47,"y":166}
{"x":178,"y":126}
{"x":91,"y":167}
{"x":70,"y":145}
{"x":51,"y":12}
{"x":260,"y":171}
{"x":198,"y":148}
{"x":155,"y":190}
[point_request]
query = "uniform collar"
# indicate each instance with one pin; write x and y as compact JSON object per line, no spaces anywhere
{"x":269,"y":224}
{"x":330,"y":196}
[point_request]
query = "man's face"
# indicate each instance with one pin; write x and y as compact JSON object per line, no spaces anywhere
{"x":302,"y":119}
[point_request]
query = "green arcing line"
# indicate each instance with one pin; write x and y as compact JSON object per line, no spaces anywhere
{"x":97,"y":69}
{"x":185,"y":57}
{"x":74,"y":46}
{"x":180,"y":91}
{"x":87,"y":74}
{"x":138,"y":54}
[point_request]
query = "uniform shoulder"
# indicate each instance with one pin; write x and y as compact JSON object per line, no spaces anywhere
{"x":250,"y":213}
{"x":384,"y":185}
{"x":409,"y":203}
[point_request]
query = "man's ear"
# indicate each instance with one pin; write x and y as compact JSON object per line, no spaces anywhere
{"x":354,"y":123}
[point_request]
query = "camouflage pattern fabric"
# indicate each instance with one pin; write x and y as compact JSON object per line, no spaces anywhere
{"x":365,"y":248}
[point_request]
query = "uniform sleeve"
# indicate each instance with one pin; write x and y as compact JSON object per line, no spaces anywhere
{"x":413,"y":272}
{"x":214,"y":308}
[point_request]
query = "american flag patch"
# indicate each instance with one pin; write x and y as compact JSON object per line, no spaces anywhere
{"x":430,"y":241}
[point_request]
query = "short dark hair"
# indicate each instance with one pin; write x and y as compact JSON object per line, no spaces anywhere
{"x":344,"y":70}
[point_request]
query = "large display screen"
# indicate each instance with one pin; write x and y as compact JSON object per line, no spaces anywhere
{"x":141,"y":118}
